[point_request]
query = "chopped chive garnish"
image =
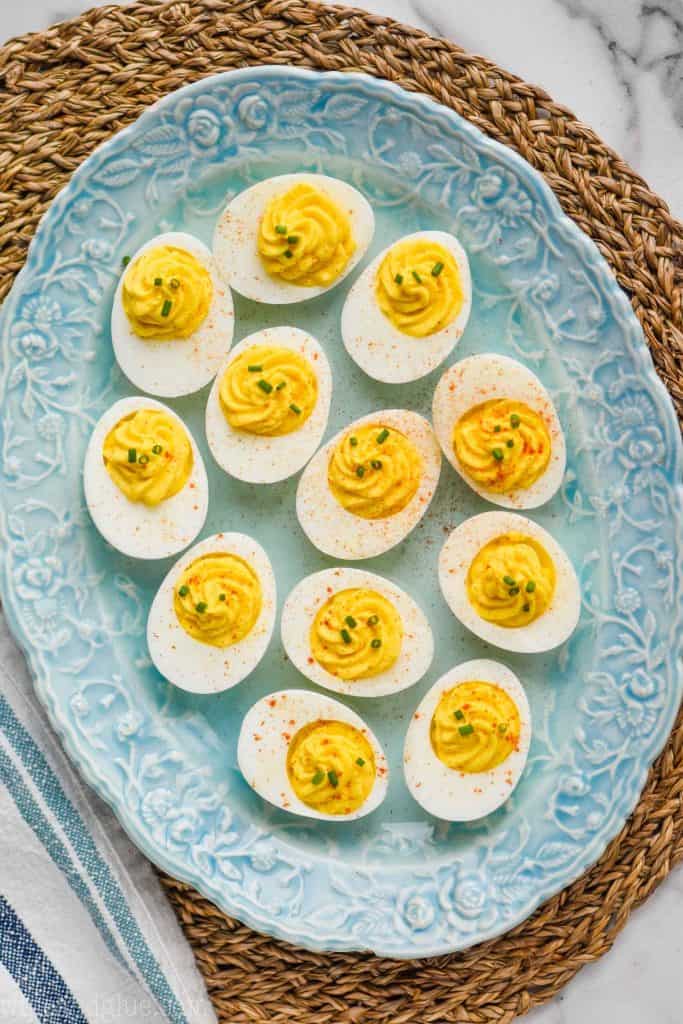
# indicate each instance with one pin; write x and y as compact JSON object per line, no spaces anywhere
{"x":281,"y":385}
{"x":508,"y":580}
{"x":515,"y":420}
{"x":353,"y":441}
{"x":265,"y":386}
{"x":350,"y":622}
{"x":158,"y":281}
{"x":132,"y":455}
{"x":174,"y":283}
{"x":157,"y":449}
{"x":201,"y":607}
{"x":143,"y":460}
{"x":382,"y":436}
{"x":459,"y":714}
{"x":466,"y":730}
{"x":497,"y":428}
{"x":334,"y":778}
{"x":526,"y":607}
{"x":222,"y":597}
{"x":416,"y":276}
{"x":166,"y":308}
{"x":360,"y":471}
{"x":376,"y":642}
{"x":502,"y":728}
{"x":346,"y":636}
{"x":373,"y":620}
{"x":360,"y":761}
{"x":292,"y":239}
{"x":513,"y":591}
{"x":318,"y":778}
{"x":530,"y":587}
{"x":281,"y":229}
{"x":510,"y":443}
{"x":288,"y":254}
{"x":255,"y":368}
{"x":437,"y":268}
{"x":295,"y":408}
{"x":376,"y":464}
{"x":399,"y":279}
{"x":183,"y":591}
{"x":125,"y":261}
{"x":497,"y":454}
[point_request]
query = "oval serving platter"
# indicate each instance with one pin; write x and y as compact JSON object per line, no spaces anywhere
{"x":398,"y":882}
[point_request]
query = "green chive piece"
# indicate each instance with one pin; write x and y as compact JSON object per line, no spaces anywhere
{"x":157,"y":449}
{"x":353,"y":441}
{"x":292,"y":239}
{"x":183,"y":591}
{"x":265,"y":386}
{"x":399,"y":279}
{"x":513,"y":591}
{"x":437,"y":268}
{"x":281,"y":229}
{"x":222,"y":597}
{"x":201,"y":607}
{"x":143,"y":460}
{"x":530,"y":587}
{"x":132,"y":455}
{"x":466,"y":730}
{"x":174,"y":283}
{"x":376,"y":464}
{"x":295,"y":408}
{"x":350,"y":622}
{"x":334,"y":778}
{"x":255,"y":368}
{"x":373,"y":620}
{"x":526,"y":607}
{"x":497,"y":454}
{"x":166,"y":308}
{"x":125,"y":261}
{"x":318,"y":778}
{"x":502,"y":728}
{"x":459,"y":714}
{"x":509,"y":581}
{"x":360,"y":471}
{"x":497,"y":428}
{"x":382,"y":436}
{"x":288,"y":254}
{"x":346,"y":636}
{"x":376,"y":642}
{"x":416,"y":276}
{"x":158,"y":282}
{"x":360,"y":761}
{"x":510,"y":443}
{"x":515,"y":420}
{"x":281,"y":385}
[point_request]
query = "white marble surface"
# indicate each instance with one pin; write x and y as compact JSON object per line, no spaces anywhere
{"x":619,"y":65}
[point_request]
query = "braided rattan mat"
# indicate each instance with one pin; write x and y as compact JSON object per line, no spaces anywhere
{"x":65,"y":90}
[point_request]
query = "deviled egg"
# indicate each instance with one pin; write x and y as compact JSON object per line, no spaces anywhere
{"x":269,"y":404}
{"x":356,"y":633}
{"x":292,"y":237}
{"x":468,"y":741}
{"x":409,"y":308}
{"x":499,"y":429}
{"x":172,"y":319}
{"x":144,"y":479}
{"x":308,"y":754}
{"x":367,"y":488}
{"x":510,"y":582}
{"x":213,"y":615}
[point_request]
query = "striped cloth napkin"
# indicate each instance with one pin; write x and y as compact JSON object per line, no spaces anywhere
{"x":86,"y":934}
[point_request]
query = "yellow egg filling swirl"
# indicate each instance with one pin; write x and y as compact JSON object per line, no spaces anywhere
{"x":305,"y":237}
{"x":331,"y":766}
{"x":475,"y":727}
{"x":217,"y":599}
{"x":418,"y":287}
{"x":148,"y":455}
{"x":166,"y":293}
{"x":502,"y":445}
{"x":374,"y":471}
{"x":269,"y":391}
{"x":511,"y":580}
{"x":356,"y":634}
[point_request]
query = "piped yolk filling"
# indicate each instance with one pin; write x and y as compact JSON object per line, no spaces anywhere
{"x":502,"y":445}
{"x":217,"y":599}
{"x":356,"y":634}
{"x":268,"y":391}
{"x":331,"y":766}
{"x":418,"y":287}
{"x":475,"y":727}
{"x":166,"y":293}
{"x":374,"y":471}
{"x":148,"y":455}
{"x":511,"y":580}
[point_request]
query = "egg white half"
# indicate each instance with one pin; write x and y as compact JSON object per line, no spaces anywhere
{"x":380,"y":349}
{"x":339,"y":533}
{"x":552,"y":628}
{"x":191,"y":664}
{"x":175,"y":366}
{"x":487,"y":376}
{"x":270,"y":725}
{"x":461,"y":796}
{"x":302,"y":606}
{"x":136,"y":529}
{"x":253,"y":457}
{"x":236,"y":235}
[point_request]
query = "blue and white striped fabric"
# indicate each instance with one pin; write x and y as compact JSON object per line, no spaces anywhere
{"x":86,"y":934}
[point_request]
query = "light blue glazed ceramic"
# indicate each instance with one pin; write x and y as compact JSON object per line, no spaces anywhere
{"x":399,"y":882}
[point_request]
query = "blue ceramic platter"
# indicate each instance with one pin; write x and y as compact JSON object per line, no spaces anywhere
{"x":399,"y":882}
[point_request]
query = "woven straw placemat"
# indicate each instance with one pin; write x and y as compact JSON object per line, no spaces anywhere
{"x":64,"y":91}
